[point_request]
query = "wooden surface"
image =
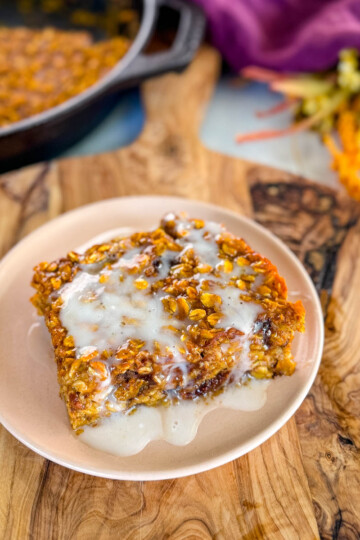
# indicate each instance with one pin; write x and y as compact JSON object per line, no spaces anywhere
{"x":305,"y":481}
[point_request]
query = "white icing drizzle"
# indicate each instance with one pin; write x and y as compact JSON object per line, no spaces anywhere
{"x":118,"y":312}
{"x":127,"y":434}
{"x":103,"y":315}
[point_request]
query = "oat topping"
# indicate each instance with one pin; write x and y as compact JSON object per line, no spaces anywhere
{"x":175,"y":313}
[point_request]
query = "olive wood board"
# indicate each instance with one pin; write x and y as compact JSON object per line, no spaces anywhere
{"x":304,"y":482}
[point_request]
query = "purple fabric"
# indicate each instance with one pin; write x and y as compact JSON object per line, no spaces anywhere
{"x":291,"y":35}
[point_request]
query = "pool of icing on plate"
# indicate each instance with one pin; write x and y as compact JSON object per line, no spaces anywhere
{"x":127,"y":434}
{"x":98,"y":325}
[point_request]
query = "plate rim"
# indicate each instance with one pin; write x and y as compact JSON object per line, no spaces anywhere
{"x":226,"y":457}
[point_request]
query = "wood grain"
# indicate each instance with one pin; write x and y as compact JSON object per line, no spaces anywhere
{"x":327,"y":240}
{"x":264,"y":494}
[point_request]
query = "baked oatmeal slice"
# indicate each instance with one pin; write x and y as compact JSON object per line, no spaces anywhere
{"x":178,"y":312}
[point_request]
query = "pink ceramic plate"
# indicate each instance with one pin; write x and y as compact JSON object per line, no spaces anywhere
{"x":30,"y":406}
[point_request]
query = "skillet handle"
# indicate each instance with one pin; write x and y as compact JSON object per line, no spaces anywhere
{"x":187,"y":40}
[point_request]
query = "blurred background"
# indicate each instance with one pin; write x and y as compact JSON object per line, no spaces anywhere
{"x":287,"y":96}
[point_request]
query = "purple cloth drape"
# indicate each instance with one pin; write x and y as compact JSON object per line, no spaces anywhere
{"x":291,"y":35}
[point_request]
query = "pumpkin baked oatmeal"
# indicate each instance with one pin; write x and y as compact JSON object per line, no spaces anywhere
{"x":176,"y":313}
{"x":39,"y":69}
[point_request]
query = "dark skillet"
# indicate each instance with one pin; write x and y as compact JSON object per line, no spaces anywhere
{"x":44,"y":135}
